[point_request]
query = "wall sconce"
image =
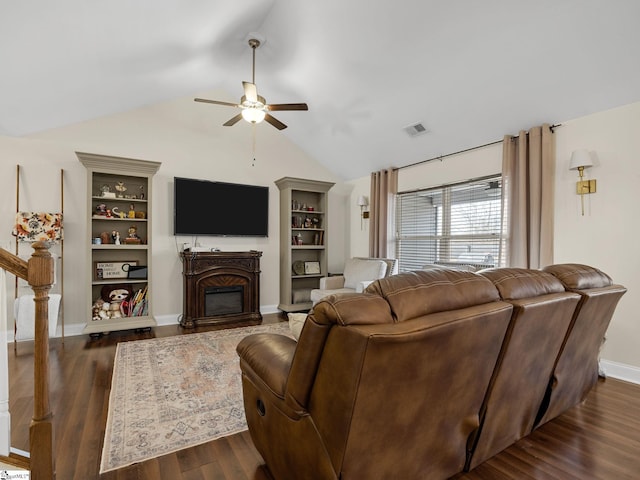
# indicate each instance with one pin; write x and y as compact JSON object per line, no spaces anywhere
{"x":581,"y":159}
{"x":362,"y":203}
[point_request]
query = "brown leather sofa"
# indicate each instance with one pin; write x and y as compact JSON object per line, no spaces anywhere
{"x":406,"y":380}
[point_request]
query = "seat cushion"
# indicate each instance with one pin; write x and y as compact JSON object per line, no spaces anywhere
{"x":357,"y":270}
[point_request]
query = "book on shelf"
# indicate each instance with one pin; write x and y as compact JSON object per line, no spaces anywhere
{"x":138,"y":305}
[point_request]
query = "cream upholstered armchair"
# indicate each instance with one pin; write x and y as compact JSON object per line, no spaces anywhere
{"x":358,"y":273}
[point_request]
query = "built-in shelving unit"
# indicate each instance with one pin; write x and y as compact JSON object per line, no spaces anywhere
{"x":119,"y":192}
{"x":303,"y":240}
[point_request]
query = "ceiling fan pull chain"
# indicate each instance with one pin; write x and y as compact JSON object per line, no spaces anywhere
{"x":253,"y":135}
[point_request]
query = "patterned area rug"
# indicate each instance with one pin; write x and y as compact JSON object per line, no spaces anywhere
{"x":176,"y":392}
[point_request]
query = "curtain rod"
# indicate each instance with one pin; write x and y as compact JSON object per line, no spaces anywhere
{"x":441,"y":157}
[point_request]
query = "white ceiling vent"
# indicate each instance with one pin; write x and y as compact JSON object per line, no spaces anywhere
{"x":415,"y":129}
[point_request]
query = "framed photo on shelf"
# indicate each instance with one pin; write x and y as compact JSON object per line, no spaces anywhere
{"x":109,"y":270}
{"x":311,"y":268}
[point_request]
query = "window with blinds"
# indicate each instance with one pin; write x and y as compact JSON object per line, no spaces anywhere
{"x":451,"y":225}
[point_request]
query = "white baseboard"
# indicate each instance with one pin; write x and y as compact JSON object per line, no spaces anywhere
{"x":266,"y":309}
{"x":621,"y":371}
{"x":75,"y":329}
{"x":72,"y":330}
{"x":170,"y":319}
{"x":22,"y":453}
{"x":5,"y":433}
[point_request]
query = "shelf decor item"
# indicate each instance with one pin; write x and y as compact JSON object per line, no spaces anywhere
{"x":105,"y":238}
{"x":108,"y":270}
{"x":105,"y":192}
{"x":120,"y":188}
{"x":137,"y":272}
{"x":311,"y":268}
{"x":132,"y":236}
{"x":298,"y":267}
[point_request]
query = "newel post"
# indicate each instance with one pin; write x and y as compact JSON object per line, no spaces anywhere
{"x":40,"y":278}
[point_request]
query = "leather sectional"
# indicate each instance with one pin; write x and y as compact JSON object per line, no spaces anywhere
{"x":426,"y":373}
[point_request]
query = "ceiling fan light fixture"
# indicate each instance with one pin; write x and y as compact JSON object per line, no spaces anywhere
{"x":253,"y":114}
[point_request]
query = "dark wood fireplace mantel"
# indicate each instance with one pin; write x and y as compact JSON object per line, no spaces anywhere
{"x":220,"y":288}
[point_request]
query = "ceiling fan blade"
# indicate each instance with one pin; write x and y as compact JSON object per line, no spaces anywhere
{"x":233,"y":121}
{"x":275,"y":122}
{"x":250,"y":91}
{"x":287,"y":106}
{"x":217,"y":102}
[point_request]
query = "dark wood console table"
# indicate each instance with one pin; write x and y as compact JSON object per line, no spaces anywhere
{"x":220,"y":288}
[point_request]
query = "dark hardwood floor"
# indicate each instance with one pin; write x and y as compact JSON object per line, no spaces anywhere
{"x":599,"y":439}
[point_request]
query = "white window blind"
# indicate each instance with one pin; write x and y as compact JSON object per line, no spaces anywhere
{"x":458,"y":224}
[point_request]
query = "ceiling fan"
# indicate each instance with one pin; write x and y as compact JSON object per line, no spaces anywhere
{"x":254,"y":107}
{"x":494,"y":188}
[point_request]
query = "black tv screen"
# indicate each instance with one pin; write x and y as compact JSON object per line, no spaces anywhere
{"x":203,"y":207}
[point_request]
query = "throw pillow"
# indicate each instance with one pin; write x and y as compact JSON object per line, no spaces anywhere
{"x":296,"y":322}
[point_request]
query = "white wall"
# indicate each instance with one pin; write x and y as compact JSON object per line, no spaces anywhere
{"x":604,"y":238}
{"x":190,"y":142}
{"x":359,"y":239}
{"x":607,"y":234}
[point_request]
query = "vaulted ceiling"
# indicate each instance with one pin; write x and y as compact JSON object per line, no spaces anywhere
{"x":470,"y":71}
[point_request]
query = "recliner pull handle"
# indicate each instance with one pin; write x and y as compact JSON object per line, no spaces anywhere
{"x":261,"y":408}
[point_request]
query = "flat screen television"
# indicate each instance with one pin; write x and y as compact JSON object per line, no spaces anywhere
{"x":203,"y":207}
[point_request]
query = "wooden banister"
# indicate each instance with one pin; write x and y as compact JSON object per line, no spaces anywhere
{"x":13,"y":264}
{"x":38,"y":272}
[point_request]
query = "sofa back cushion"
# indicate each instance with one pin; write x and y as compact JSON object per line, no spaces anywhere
{"x":575,"y":276}
{"x":414,"y":294}
{"x":358,"y":270}
{"x":516,"y":283}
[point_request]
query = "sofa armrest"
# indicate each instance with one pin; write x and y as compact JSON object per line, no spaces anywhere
{"x":362,"y":285}
{"x":332,"y":283}
{"x":268,"y":357}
